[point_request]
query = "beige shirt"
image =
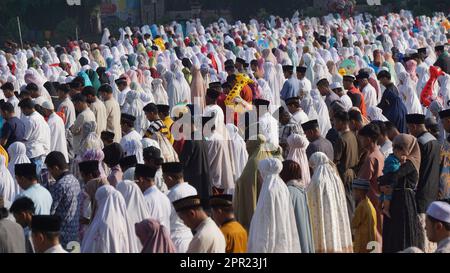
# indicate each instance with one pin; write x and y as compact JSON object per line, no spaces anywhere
{"x":207,"y":239}
{"x":78,"y":129}
{"x":113,"y":118}
{"x":99,"y":110}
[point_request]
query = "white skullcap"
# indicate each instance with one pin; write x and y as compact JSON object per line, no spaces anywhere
{"x":440,"y":211}
{"x":335,"y":85}
{"x":48,"y":105}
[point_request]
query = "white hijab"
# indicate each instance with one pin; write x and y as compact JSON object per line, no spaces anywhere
{"x":18,"y":155}
{"x":407,"y":91}
{"x":328,"y":207}
{"x":110,"y":231}
{"x":238,"y":149}
{"x":375,"y":113}
{"x":297,"y":152}
{"x":8,"y":187}
{"x":273,"y":228}
{"x":322,"y":112}
{"x":137,"y":207}
{"x":159,"y":93}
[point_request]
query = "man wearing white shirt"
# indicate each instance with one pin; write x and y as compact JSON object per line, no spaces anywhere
{"x":158,"y":203}
{"x":305,"y":84}
{"x":123,"y":87}
{"x":181,"y":235}
{"x":58,"y":140}
{"x":8,"y":91}
{"x":131,"y":140}
{"x":298,"y":115}
{"x":369,"y":92}
{"x":214,"y":110}
{"x":37,"y":134}
{"x":45,"y":234}
{"x":344,"y":98}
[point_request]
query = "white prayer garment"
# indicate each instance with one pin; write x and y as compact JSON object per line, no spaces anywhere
{"x":110,"y":230}
{"x":273,"y":228}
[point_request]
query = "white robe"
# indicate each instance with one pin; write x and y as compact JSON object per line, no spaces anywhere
{"x":238,"y":149}
{"x":180,"y":234}
{"x":132,"y":145}
{"x":220,"y":163}
{"x":273,"y":228}
{"x":137,"y":208}
{"x":8,"y":188}
{"x":407,"y":91}
{"x":208,"y":239}
{"x":328,"y":208}
{"x":17,"y":155}
{"x":268,"y":126}
{"x":159,"y":206}
{"x":58,"y":141}
{"x":110,"y":230}
{"x":370,"y":95}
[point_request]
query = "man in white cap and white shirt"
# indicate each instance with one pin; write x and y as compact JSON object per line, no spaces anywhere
{"x":58,"y":141}
{"x":438,"y":225}
{"x":344,"y":98}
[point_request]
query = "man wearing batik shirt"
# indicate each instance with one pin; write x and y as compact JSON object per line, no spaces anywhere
{"x":66,"y":195}
{"x":444,"y":184}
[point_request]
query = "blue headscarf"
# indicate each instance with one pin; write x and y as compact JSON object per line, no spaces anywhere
{"x":393,"y":108}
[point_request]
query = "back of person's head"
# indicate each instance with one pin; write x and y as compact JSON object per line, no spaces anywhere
{"x":389,"y":126}
{"x":355,"y":115}
{"x":342,"y":116}
{"x":22,"y":204}
{"x":291,"y":171}
{"x":7,"y":107}
{"x":370,"y":131}
{"x":79,"y":98}
{"x":151,"y":108}
{"x":32,"y":87}
{"x":56,"y":159}
{"x":105,"y":88}
{"x":26,"y":103}
{"x":65,"y":88}
{"x":381,"y":125}
{"x":89,"y":91}
{"x":383,"y":74}
{"x":323,"y":83}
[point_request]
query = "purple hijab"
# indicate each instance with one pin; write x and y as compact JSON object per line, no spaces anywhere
{"x":154,"y":237}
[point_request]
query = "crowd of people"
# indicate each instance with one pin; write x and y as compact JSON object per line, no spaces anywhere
{"x":311,"y":135}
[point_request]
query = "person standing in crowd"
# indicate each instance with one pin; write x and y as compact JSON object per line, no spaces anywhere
{"x":58,"y":140}
{"x":368,"y":91}
{"x":443,"y":58}
{"x":444,"y":181}
{"x":392,"y":105}
{"x":208,"y":238}
{"x":78,"y":129}
{"x":364,"y":222}
{"x":8,"y":92}
{"x":427,"y":189}
{"x":12,"y":239}
{"x":13,"y":129}
{"x":291,"y":86}
{"x":438,"y":225}
{"x":157,"y":202}
{"x":372,"y":167}
{"x":37,"y":134}
{"x":297,"y":115}
{"x":23,"y":210}
{"x":113,"y":154}
{"x":223,"y":215}
{"x":317,"y":142}
{"x":131,"y":140}
{"x":346,"y":157}
{"x":66,"y":195}
{"x":324,"y":88}
{"x":112,"y":111}
{"x":45,"y":234}
{"x":27,"y":179}
{"x":354,"y":93}
{"x":97,"y":107}
{"x":178,"y":189}
{"x":384,"y":142}
{"x":292,"y":176}
{"x":401,"y":229}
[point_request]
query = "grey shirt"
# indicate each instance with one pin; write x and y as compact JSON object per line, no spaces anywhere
{"x":321,"y":145}
{"x":12,"y":239}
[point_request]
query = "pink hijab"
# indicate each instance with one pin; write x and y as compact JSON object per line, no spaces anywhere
{"x":411,"y":66}
{"x":297,"y":152}
{"x":154,"y":237}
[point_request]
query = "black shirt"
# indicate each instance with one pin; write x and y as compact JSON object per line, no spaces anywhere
{"x":13,"y":130}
